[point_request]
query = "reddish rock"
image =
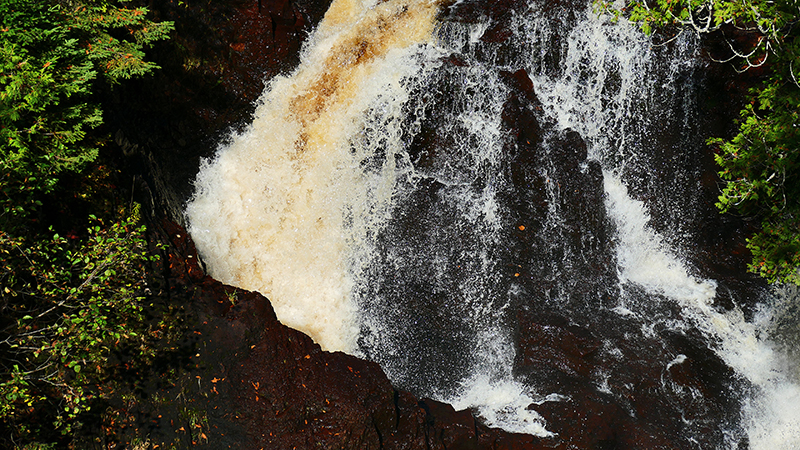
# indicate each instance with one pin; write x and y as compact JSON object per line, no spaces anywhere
{"x":269,"y":386}
{"x":273,"y":387}
{"x":264,"y":385}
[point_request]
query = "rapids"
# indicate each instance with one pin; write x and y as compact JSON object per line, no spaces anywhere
{"x":435,"y":182}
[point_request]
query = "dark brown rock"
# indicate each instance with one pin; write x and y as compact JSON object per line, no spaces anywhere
{"x":213,"y":69}
{"x":269,"y":386}
{"x":264,"y":385}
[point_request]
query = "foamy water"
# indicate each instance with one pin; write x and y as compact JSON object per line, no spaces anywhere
{"x":285,"y":207}
{"x":579,"y":100}
{"x":770,"y":413}
{"x":293,"y":206}
{"x":644,"y":258}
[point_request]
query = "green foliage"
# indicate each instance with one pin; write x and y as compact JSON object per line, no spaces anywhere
{"x":75,"y":304}
{"x":768,"y":20}
{"x":759,"y":164}
{"x":116,"y":58}
{"x":72,"y":316}
{"x":50,"y":56}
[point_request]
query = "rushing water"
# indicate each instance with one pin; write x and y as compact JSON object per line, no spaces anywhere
{"x":374,"y":201}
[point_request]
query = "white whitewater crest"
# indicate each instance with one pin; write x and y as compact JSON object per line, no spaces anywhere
{"x":285,"y":208}
{"x":582,"y":100}
{"x":295,"y":206}
{"x":770,"y":412}
{"x":641,"y":256}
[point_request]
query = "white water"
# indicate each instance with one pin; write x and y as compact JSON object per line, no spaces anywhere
{"x":770,"y":414}
{"x":295,"y":205}
{"x":285,"y":209}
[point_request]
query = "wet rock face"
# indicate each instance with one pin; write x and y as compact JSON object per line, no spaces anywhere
{"x":213,"y":69}
{"x":275,"y":388}
{"x":607,"y":375}
{"x":264,"y":385}
{"x":621,"y":386}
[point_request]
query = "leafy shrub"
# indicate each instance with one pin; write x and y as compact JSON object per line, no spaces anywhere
{"x":70,"y":306}
{"x":75,"y":303}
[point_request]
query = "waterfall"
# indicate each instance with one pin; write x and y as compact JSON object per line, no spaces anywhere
{"x":771,"y":420}
{"x":381,"y":202}
{"x":285,"y":208}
